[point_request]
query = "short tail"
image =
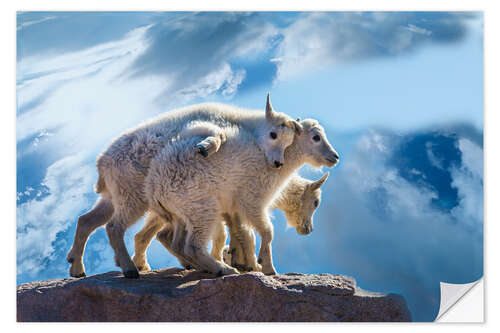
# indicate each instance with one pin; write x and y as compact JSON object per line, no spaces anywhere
{"x":100,"y":186}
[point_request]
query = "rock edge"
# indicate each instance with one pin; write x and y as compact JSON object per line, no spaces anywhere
{"x":189,"y":296}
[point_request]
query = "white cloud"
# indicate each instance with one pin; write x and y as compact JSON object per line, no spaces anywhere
{"x":369,"y":171}
{"x":233,"y":82}
{"x":435,"y":160}
{"x":472,"y":157}
{"x":85,"y":89}
{"x":319,"y":39}
{"x":468,"y":180}
{"x":32,"y":22}
{"x":224,"y":79}
{"x":306,"y":45}
{"x":414,"y":28}
{"x":40,"y":220}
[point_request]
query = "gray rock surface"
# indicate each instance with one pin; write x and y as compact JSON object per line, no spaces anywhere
{"x":179,"y":295}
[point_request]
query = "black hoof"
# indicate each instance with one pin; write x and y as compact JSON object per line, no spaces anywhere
{"x":259,"y":260}
{"x":188,"y":267}
{"x":241,"y":268}
{"x":70,"y":260}
{"x":219,"y":273}
{"x":131,"y":274}
{"x":80,"y":275}
{"x":202,"y":150}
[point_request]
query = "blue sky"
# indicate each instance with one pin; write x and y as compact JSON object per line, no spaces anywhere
{"x":400,"y":96}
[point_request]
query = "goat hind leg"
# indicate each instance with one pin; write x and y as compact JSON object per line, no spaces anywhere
{"x":143,"y":238}
{"x":196,"y":249}
{"x":211,"y":145}
{"x":236,"y":248}
{"x":214,"y":135}
{"x":87,"y":224}
{"x":166,"y":238}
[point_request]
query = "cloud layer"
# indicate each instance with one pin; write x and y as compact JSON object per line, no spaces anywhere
{"x":189,"y":46}
{"x":319,"y":39}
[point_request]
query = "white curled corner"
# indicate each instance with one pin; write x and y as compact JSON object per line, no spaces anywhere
{"x":456,"y":296}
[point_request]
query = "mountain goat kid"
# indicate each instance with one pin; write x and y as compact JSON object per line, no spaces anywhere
{"x":235,"y":183}
{"x":298,"y":200}
{"x":124,"y":165}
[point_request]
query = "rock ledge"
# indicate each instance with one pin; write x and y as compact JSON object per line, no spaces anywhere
{"x":174,"y":294}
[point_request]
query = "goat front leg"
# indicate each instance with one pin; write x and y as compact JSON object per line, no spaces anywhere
{"x":242,"y":244}
{"x":265,"y":252}
{"x":249,"y":241}
{"x":262,"y":224}
{"x":218,"y":241}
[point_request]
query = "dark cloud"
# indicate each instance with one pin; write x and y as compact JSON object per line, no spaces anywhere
{"x":188,"y":48}
{"x":318,"y":39}
{"x":426,"y":160}
{"x":384,"y":29}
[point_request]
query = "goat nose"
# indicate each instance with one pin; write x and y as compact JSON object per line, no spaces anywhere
{"x":278,"y":164}
{"x":336,"y":155}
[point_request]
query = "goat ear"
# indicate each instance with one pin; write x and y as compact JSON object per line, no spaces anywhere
{"x":270,"y":114}
{"x":317,"y":184}
{"x":297,"y":127}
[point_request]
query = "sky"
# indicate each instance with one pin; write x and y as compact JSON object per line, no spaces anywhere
{"x":400,"y":96}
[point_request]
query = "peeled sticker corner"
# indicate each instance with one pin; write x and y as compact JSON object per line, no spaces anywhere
{"x":451,"y":294}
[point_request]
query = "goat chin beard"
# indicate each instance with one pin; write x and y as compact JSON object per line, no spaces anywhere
{"x":316,"y":164}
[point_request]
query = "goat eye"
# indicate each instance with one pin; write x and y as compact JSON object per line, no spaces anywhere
{"x":316,"y":203}
{"x":316,"y":138}
{"x":273,"y":135}
{"x":283,"y":125}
